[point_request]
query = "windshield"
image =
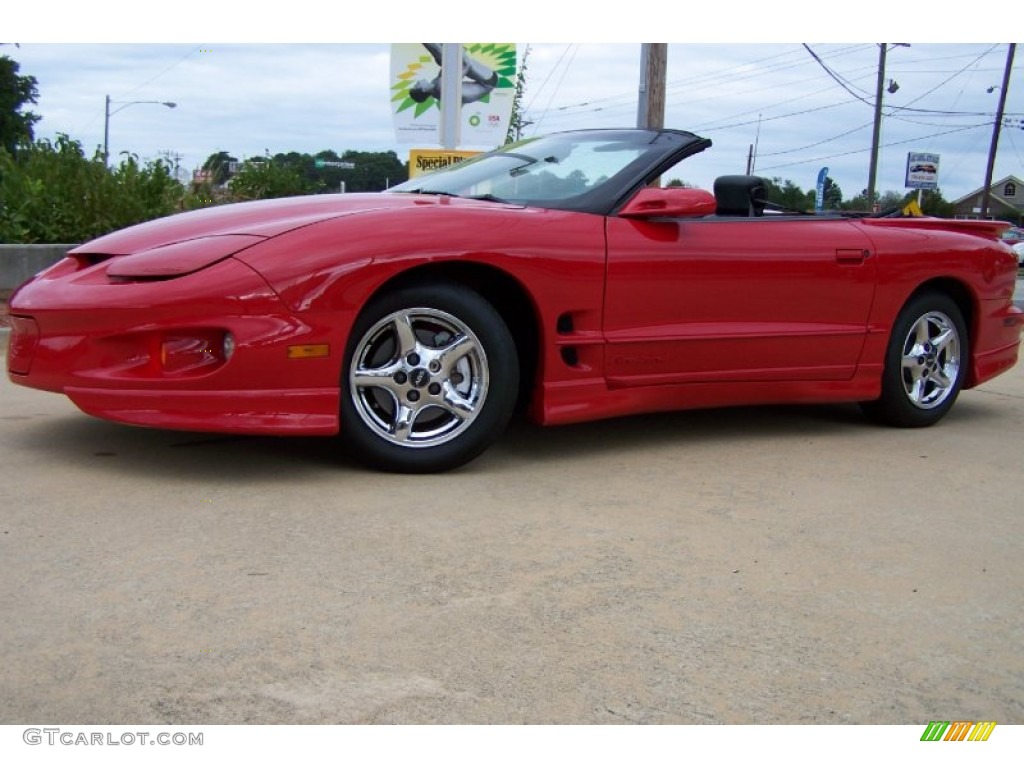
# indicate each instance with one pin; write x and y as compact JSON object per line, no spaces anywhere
{"x":554,"y":171}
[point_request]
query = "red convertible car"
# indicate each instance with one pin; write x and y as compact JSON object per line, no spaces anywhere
{"x":553,"y":273}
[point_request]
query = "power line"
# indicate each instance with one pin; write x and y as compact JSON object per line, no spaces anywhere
{"x":868,"y":149}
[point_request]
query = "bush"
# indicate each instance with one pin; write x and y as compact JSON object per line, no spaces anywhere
{"x":51,"y":193}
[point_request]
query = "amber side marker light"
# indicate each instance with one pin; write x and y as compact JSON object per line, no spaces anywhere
{"x":306,"y":351}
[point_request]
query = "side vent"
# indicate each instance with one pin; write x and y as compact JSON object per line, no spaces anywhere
{"x":565,"y":326}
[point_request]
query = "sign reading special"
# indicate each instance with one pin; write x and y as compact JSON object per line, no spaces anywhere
{"x":488,"y":89}
{"x":423,"y":161}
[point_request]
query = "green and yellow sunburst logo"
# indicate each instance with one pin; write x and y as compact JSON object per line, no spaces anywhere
{"x":499,"y":57}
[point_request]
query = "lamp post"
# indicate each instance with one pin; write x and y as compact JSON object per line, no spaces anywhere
{"x":877,"y":130}
{"x":106,"y":121}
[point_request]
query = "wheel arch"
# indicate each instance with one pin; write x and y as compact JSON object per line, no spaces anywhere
{"x":503,"y":291}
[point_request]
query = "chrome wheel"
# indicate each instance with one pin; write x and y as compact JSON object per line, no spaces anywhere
{"x":419,"y":377}
{"x":931,"y":360}
{"x":926,"y":363}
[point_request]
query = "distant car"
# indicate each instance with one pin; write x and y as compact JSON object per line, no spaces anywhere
{"x":1013,"y":235}
{"x":1018,"y":248}
{"x":550,"y":273}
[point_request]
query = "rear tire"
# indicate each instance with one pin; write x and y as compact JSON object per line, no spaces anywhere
{"x":925,"y":363}
{"x":430,"y":379}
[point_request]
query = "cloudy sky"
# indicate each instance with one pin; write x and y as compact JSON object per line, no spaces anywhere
{"x":283,"y":85}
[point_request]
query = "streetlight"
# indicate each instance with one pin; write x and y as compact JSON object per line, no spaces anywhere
{"x":877,"y":130}
{"x":108,"y":113}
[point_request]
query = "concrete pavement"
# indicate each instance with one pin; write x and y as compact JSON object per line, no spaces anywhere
{"x":756,"y":565}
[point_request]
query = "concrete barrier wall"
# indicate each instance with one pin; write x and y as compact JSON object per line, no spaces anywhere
{"x":20,"y":262}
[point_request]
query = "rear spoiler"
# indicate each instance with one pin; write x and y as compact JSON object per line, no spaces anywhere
{"x":986,"y":228}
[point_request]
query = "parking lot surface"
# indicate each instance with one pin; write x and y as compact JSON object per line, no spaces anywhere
{"x":755,"y":565}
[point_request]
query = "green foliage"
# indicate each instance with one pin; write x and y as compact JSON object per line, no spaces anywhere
{"x":15,"y":92}
{"x":51,"y":193}
{"x":217,"y":166}
{"x":789,"y":195}
{"x":517,"y":120}
{"x":261,"y":179}
{"x":832,"y":195}
{"x":374,"y":171}
{"x":858,"y":203}
{"x":932,"y":203}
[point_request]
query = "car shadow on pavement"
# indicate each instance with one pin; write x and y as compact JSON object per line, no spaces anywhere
{"x":80,"y":441}
{"x":707,"y":427}
{"x":85,"y":442}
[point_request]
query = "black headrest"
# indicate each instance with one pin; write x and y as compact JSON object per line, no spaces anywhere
{"x":739,"y":195}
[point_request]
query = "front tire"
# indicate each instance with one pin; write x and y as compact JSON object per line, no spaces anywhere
{"x":430,"y":380}
{"x":925,"y":363}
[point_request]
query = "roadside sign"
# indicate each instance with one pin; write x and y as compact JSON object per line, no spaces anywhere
{"x":333,"y":164}
{"x":426,"y":160}
{"x":922,"y":171}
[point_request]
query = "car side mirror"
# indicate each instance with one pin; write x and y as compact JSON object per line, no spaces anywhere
{"x":671,"y":202}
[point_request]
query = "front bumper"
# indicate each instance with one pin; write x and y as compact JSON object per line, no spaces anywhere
{"x":209,"y":351}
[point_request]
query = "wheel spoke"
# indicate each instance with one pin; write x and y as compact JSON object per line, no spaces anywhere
{"x":455,"y":351}
{"x":916,"y":390}
{"x":401,"y":427}
{"x":405,"y":335}
{"x":920,"y":332}
{"x":377,"y":377}
{"x":940,"y":379}
{"x":946,"y":341}
{"x":457,"y":404}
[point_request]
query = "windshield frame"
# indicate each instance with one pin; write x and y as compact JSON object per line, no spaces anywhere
{"x":653,"y":151}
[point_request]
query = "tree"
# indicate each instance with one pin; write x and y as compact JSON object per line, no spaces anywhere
{"x":932,"y":203}
{"x":517,"y":120}
{"x":788,"y":194}
{"x":373,"y":172}
{"x":50,"y":192}
{"x":16,"y":125}
{"x":886,"y":201}
{"x":832,"y":198}
{"x":890,"y":200}
{"x":262,"y":178}
{"x":218,"y":165}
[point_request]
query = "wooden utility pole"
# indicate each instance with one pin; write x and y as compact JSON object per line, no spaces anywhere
{"x":987,"y":191}
{"x":653,"y":67}
{"x":877,"y":128}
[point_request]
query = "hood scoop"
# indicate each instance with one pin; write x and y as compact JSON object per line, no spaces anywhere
{"x":179,"y":258}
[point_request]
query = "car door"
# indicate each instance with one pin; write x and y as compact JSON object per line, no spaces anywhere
{"x":774,"y":298}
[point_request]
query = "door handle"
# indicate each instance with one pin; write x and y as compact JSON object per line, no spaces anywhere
{"x":852,"y":255}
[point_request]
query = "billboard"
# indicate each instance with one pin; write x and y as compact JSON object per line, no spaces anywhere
{"x":922,"y":171}
{"x":488,"y":89}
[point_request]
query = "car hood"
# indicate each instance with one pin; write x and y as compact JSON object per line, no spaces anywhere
{"x":257,"y":220}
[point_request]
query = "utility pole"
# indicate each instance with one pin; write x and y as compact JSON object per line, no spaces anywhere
{"x":653,"y":66}
{"x":987,"y":192}
{"x":877,"y":130}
